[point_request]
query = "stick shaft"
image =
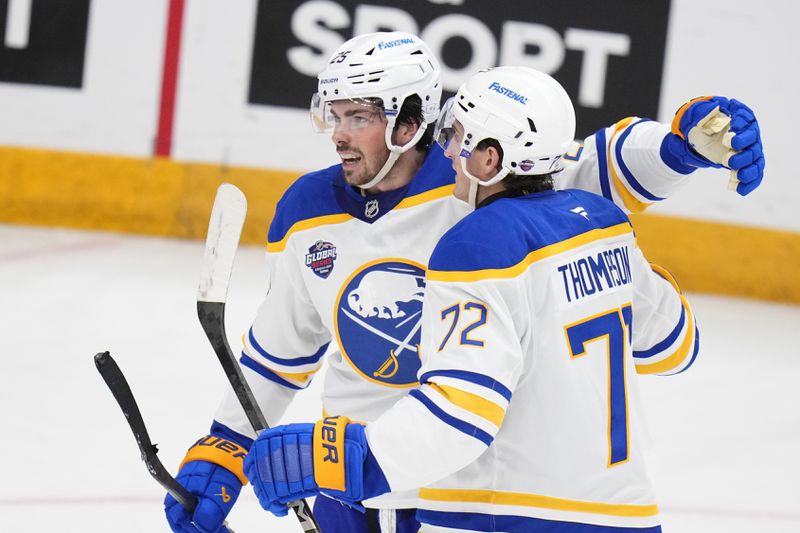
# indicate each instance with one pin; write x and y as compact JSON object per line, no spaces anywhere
{"x":119,"y":387}
{"x":222,"y":240}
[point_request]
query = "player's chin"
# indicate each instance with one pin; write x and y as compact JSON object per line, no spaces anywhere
{"x":351,"y":178}
{"x":355,"y":178}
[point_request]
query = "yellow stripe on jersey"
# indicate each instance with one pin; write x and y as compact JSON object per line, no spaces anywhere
{"x":472,"y":402}
{"x":427,"y":196}
{"x":574,"y":152}
{"x":411,"y":201}
{"x":537,"y":500}
{"x":633,"y":204}
{"x":301,"y":377}
{"x":307,"y":224}
{"x":536,"y":255}
{"x":666,"y":274}
{"x":680,"y":355}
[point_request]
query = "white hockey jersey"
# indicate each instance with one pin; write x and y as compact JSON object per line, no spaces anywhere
{"x":539,"y":311}
{"x":347,"y":275}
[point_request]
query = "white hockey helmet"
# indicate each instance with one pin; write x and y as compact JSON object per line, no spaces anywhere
{"x":528,"y":112}
{"x":390,"y":66}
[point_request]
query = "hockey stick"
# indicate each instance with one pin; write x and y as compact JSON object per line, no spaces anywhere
{"x":119,"y":387}
{"x":224,"y":229}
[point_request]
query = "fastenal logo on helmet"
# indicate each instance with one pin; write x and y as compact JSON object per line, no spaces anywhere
{"x":392,"y":44}
{"x":505,"y":91}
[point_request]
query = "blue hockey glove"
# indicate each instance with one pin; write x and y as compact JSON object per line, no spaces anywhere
{"x":713,"y":131}
{"x":296,"y":461}
{"x":212,"y":471}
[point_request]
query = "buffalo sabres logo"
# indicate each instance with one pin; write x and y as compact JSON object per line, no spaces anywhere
{"x":378,"y":319}
{"x":320,"y":258}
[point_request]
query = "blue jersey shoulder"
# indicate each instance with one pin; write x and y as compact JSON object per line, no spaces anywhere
{"x":503,"y":233}
{"x":324,"y":192}
{"x":436,"y":171}
{"x":310,"y":196}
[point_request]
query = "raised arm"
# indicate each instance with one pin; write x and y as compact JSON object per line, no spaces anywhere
{"x":637,"y":162}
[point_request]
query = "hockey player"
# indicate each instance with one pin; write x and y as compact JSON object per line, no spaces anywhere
{"x":348,"y":247}
{"x":539,"y":310}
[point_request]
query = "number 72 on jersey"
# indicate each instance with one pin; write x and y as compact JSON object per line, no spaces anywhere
{"x":612,"y":327}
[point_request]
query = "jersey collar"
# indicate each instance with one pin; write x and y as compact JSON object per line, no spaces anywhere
{"x":371,"y":207}
{"x":365,"y":207}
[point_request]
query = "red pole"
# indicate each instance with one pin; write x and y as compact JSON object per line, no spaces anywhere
{"x":169,"y":79}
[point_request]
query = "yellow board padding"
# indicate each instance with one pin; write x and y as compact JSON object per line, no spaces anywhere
{"x":131,"y":195}
{"x":723,"y":258}
{"x":171,"y":198}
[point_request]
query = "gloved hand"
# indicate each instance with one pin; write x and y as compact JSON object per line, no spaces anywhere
{"x":295,"y":461}
{"x":212,"y":471}
{"x":713,"y":131}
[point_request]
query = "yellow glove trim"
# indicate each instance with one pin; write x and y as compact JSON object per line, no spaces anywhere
{"x":676,"y":122}
{"x":219,"y":451}
{"x":329,"y":462}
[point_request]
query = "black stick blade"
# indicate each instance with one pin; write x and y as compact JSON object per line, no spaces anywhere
{"x":119,"y":387}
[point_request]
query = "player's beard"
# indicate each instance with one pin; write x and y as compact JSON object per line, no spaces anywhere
{"x":366,"y":168}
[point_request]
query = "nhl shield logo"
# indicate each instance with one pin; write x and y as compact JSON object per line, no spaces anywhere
{"x":378,"y":318}
{"x":320,"y":258}
{"x":371,"y":209}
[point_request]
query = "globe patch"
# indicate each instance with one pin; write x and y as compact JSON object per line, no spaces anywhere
{"x":320,"y":258}
{"x":378,"y":319}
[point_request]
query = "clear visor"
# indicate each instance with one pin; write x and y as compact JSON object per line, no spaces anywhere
{"x":445,"y":131}
{"x":343,"y":115}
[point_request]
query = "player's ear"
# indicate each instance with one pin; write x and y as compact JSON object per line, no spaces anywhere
{"x":488,"y":160}
{"x":493,"y":158}
{"x":404,"y":132}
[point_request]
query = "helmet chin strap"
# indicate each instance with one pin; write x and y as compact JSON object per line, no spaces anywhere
{"x":474,"y":182}
{"x":472,"y":199}
{"x":394,"y":152}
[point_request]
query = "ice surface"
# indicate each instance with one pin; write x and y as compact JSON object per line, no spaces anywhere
{"x":727,"y":432}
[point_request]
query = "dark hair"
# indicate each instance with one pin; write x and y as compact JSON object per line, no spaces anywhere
{"x":521,"y":184}
{"x":411,"y":113}
{"x":529,"y":184}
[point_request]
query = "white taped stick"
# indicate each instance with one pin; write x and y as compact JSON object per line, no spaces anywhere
{"x":224,"y":230}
